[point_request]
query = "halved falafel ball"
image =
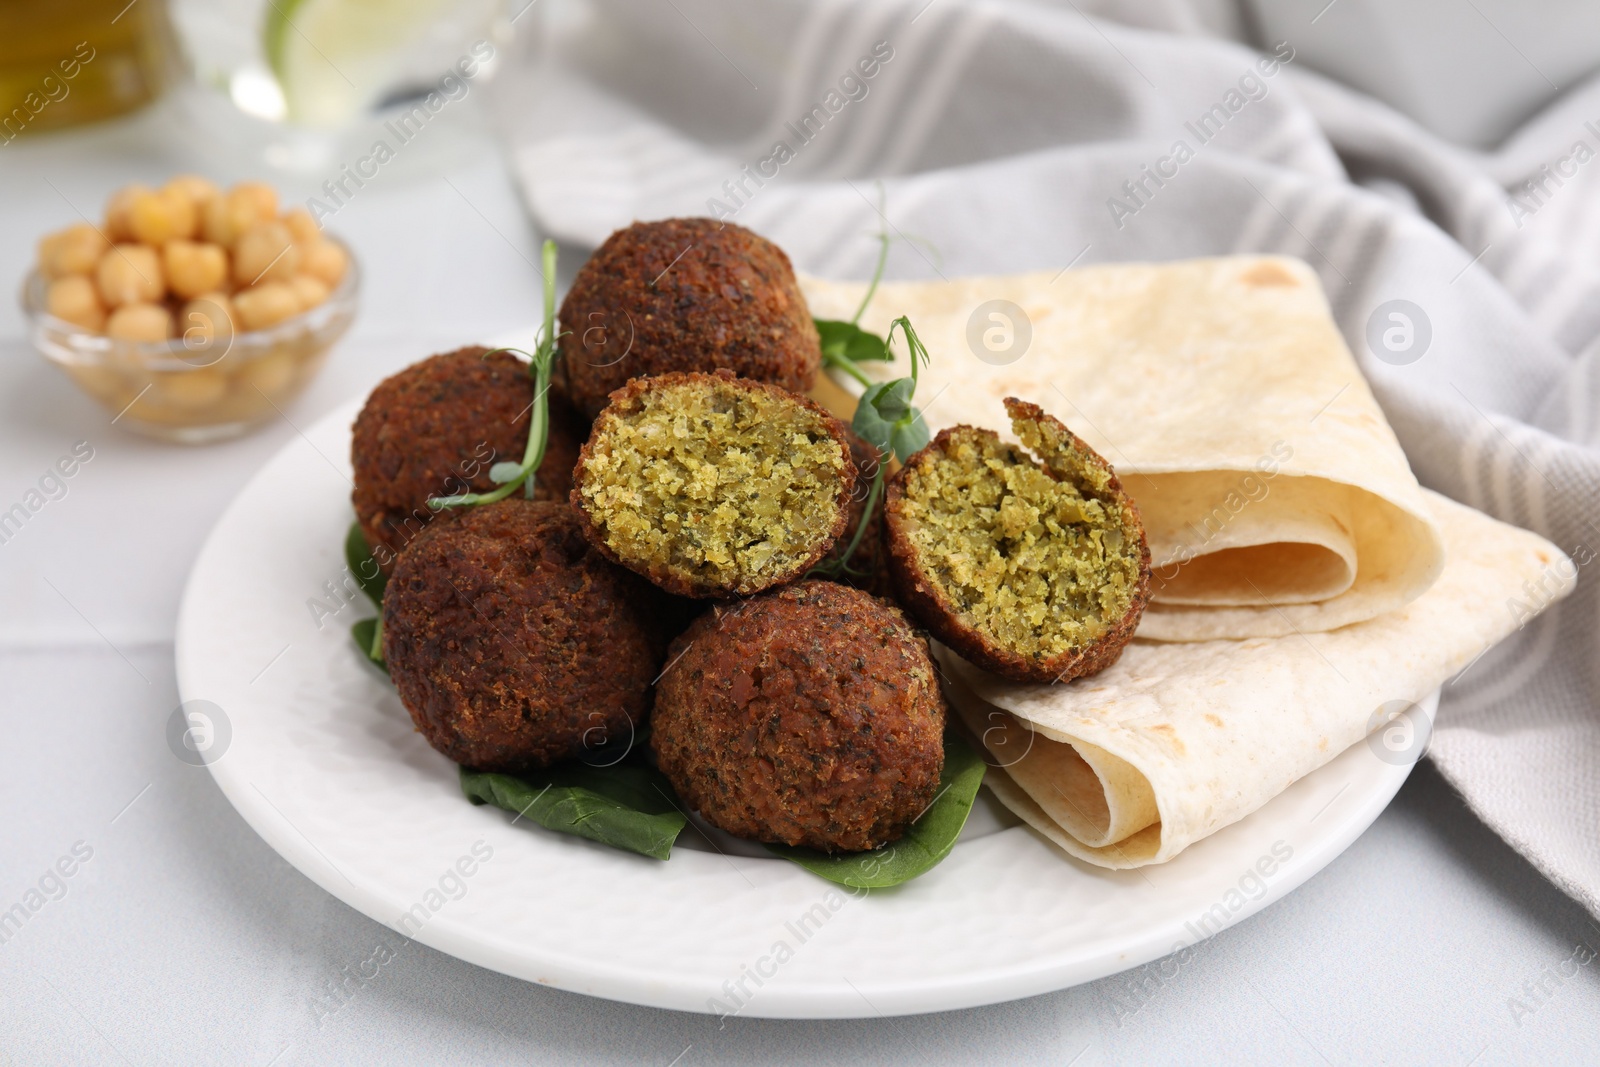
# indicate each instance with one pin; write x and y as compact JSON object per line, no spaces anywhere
{"x":1037,"y":570}
{"x":436,"y":428}
{"x":711,"y":485}
{"x":810,"y":715}
{"x":514,"y":644}
{"x":685,"y":295}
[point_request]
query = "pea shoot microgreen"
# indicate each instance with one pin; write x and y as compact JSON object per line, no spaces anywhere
{"x":885,"y":416}
{"x":510,"y":476}
{"x":844,"y":344}
{"x":887,"y":420}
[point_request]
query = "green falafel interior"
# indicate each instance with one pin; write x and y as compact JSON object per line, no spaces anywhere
{"x":711,"y":485}
{"x":1042,"y":559}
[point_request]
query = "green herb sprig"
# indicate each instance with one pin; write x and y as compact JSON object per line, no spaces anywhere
{"x":844,"y":344}
{"x":509,"y":476}
{"x":887,"y":420}
{"x":885,"y":416}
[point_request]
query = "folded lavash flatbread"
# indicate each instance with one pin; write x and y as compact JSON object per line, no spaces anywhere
{"x":1177,"y":740}
{"x":1274,"y":494}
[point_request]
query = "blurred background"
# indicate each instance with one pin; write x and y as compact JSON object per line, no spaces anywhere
{"x":302,"y":74}
{"x":285,"y":85}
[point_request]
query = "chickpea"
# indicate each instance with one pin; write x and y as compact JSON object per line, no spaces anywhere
{"x":216,"y":222}
{"x":213,"y":305}
{"x":156,"y":218}
{"x":140,"y":322}
{"x":194,"y":268}
{"x":302,"y":226}
{"x":74,"y":299}
{"x":197,"y":189}
{"x":308,"y":290}
{"x":129,"y":274}
{"x":326,"y":260}
{"x":118,"y":222}
{"x":262,"y":196}
{"x":228,"y":217}
{"x":198,"y":387}
{"x":265,"y":253}
{"x":264,"y":305}
{"x":74,"y":250}
{"x":206,"y":322}
{"x":271,"y":374}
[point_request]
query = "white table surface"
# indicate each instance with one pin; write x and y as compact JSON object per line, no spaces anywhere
{"x":185,"y":939}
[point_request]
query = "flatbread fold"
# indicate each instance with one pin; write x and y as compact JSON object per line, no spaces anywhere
{"x":1177,"y":740}
{"x":1274,"y":494}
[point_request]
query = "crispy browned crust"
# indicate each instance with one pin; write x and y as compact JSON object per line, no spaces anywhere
{"x":928,"y":605}
{"x":435,"y":428}
{"x":810,"y":715}
{"x":688,"y":294}
{"x":513,"y":644}
{"x":626,"y":401}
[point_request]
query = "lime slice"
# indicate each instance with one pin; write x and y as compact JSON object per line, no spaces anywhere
{"x":333,"y":58}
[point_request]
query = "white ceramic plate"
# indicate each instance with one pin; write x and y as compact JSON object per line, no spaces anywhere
{"x":316,"y":752}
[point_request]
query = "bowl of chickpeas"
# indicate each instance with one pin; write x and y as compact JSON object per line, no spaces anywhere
{"x":192,"y":313}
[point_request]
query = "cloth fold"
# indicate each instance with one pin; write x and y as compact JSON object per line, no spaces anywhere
{"x":1007,"y":137}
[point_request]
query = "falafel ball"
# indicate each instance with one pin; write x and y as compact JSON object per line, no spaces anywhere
{"x":514,"y":644}
{"x":1037,"y":570}
{"x":713,"y":486}
{"x":810,"y":715}
{"x":685,"y":295}
{"x":436,"y":428}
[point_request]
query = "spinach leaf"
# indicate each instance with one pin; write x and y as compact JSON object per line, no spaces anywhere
{"x":929,"y":840}
{"x":368,"y":633}
{"x":365,"y":570}
{"x":847,"y":340}
{"x":369,"y":638}
{"x":628,"y":807}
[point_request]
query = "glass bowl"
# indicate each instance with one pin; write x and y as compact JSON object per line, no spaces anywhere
{"x":206,"y":385}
